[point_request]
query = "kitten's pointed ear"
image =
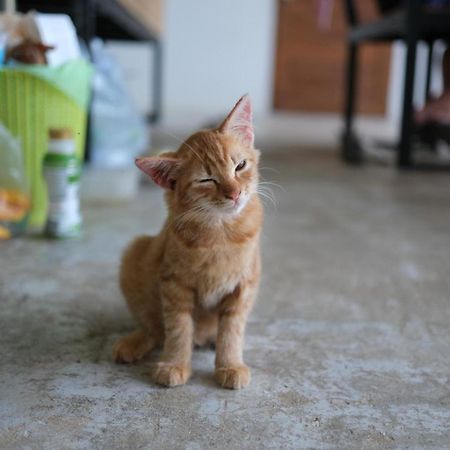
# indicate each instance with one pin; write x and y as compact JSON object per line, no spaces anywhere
{"x":163,"y":170}
{"x":239,"y":122}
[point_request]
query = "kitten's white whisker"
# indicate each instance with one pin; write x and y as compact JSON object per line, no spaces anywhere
{"x":266,"y":193}
{"x":264,"y":199}
{"x":271,"y":183}
{"x":265,"y":188}
{"x":271,"y":201}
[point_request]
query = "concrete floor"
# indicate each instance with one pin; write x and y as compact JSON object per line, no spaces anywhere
{"x":349,"y":342}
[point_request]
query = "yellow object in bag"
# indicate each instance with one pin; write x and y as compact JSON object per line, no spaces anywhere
{"x":14,"y":199}
{"x":14,"y":207}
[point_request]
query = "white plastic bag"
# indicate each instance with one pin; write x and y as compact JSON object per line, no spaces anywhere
{"x":118,"y":131}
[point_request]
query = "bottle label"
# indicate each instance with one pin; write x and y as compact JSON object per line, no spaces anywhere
{"x":62,"y":173}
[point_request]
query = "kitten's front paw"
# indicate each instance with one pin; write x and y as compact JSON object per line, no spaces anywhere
{"x":170,"y":375}
{"x":235,"y":377}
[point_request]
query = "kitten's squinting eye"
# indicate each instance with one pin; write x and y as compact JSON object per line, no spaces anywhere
{"x":207,"y":180}
{"x":241,"y":165}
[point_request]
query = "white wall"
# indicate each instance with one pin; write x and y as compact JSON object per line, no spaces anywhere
{"x":215,"y":51}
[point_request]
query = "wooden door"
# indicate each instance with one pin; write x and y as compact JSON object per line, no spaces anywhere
{"x":310,"y":63}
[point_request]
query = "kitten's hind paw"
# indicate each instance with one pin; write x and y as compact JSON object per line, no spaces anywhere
{"x":133,"y":347}
{"x":171,"y":375}
{"x":123,"y":354}
{"x":235,"y":377}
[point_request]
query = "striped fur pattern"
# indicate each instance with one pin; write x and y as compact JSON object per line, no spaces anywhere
{"x":196,"y":281}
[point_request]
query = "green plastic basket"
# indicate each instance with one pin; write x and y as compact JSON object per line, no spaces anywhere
{"x":34,"y":99}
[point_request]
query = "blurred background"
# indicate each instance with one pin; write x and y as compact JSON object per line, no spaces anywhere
{"x":145,"y":74}
{"x":351,"y":103}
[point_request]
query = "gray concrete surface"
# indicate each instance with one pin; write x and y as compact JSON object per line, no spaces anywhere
{"x":349,"y":342}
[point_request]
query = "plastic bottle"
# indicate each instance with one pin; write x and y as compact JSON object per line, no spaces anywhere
{"x":62,"y":174}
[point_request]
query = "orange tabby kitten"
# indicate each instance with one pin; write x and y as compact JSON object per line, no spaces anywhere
{"x":196,"y":281}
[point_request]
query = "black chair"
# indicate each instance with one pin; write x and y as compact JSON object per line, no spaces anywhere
{"x":414,"y":22}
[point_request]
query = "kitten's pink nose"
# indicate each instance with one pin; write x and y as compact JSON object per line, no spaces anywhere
{"x":233,"y":195}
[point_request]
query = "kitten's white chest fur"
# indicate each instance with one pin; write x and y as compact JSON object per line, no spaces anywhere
{"x":211,"y":299}
{"x":221,"y":276}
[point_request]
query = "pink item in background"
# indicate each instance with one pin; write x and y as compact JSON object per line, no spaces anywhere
{"x":324,"y":14}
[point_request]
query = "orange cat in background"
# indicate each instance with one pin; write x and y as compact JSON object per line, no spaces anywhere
{"x":196,"y":281}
